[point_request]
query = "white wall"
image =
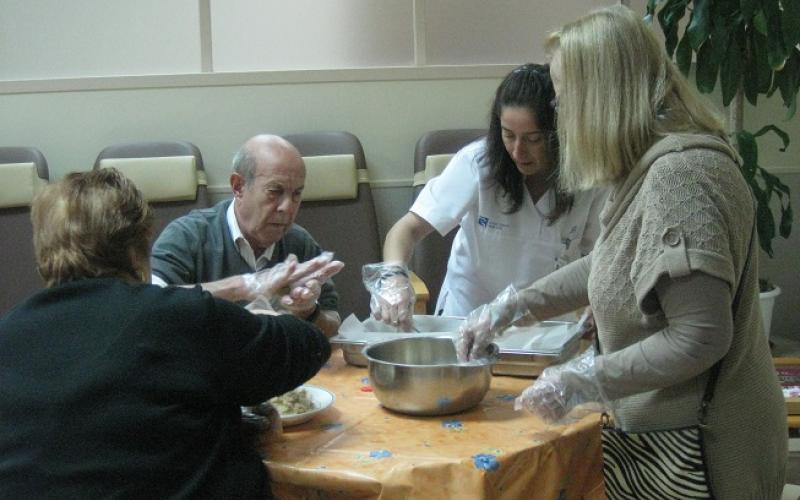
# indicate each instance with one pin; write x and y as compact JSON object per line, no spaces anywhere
{"x":54,"y":39}
{"x":388,"y":116}
{"x":301,"y":34}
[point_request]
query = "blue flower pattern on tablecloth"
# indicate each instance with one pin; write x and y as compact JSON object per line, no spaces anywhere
{"x":380,"y":454}
{"x":455,"y":425}
{"x":365,"y":380}
{"x":485,"y":461}
{"x":506,"y":397}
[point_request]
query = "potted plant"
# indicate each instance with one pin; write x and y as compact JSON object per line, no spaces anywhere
{"x":751,"y":47}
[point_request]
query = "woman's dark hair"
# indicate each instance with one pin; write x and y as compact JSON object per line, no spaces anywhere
{"x":528,"y":86}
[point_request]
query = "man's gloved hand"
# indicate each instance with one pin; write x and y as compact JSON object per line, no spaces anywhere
{"x":561,"y":388}
{"x":488,"y":321}
{"x":304,"y":291}
{"x":391,"y":294}
{"x":261,"y":305}
{"x":292,"y":286}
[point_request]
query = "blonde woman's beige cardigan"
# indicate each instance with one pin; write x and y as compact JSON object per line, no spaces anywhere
{"x":685,"y":208}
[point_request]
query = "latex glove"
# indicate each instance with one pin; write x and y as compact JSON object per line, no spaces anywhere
{"x":292,"y":285}
{"x":486,"y":322}
{"x":561,"y":388}
{"x":392,"y":296}
{"x":305,"y":292}
{"x":586,"y":325}
{"x":261,"y":305}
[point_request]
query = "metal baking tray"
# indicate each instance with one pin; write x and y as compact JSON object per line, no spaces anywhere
{"x":523,"y":351}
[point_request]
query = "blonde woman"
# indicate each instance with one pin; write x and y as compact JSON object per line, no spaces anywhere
{"x":114,"y":388}
{"x":672,"y":279}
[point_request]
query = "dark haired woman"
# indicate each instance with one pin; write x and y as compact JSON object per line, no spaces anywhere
{"x":515,"y":224}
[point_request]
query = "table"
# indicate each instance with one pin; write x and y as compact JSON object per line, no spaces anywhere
{"x":356,"y":449}
{"x":792,"y":403}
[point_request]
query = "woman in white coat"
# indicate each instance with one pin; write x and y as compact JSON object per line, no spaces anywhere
{"x":516,"y":225}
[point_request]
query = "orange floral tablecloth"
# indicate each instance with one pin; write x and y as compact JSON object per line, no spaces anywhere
{"x":356,"y":449}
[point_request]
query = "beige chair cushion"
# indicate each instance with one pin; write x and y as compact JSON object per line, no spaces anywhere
{"x":167,"y":178}
{"x":434,"y":165}
{"x":19,"y":182}
{"x":332,"y":177}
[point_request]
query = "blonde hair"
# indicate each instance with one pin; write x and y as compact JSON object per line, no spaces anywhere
{"x":91,"y":224}
{"x":619,"y":93}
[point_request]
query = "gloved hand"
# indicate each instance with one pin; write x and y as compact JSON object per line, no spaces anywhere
{"x":561,"y":388}
{"x":586,"y":324}
{"x":487,"y":321}
{"x":305,"y":290}
{"x":261,"y":305}
{"x":391,"y":294}
{"x":293,"y":286}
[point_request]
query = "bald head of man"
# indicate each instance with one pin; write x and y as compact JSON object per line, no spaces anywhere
{"x":267,"y":182}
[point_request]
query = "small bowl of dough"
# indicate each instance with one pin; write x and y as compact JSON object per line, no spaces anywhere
{"x":302,"y":404}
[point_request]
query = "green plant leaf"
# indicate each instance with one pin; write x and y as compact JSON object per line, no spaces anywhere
{"x":650,"y":10}
{"x":792,"y":108}
{"x":785,"y":228}
{"x":777,"y":131}
{"x":753,"y":43}
{"x":721,"y":32}
{"x":699,"y":28}
{"x":762,"y":64}
{"x":773,"y":185}
{"x":760,"y":22}
{"x":683,"y":56}
{"x":730,"y":72}
{"x":750,"y":80}
{"x":748,"y":149}
{"x":748,"y":8}
{"x":776,"y":50}
{"x":764,"y":186}
{"x":788,"y":81}
{"x":668,"y":18}
{"x":765,"y":225}
{"x":757,"y":73}
{"x":707,"y":68}
{"x":791,"y":22}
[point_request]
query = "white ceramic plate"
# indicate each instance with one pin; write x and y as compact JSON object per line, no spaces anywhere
{"x":322,"y":399}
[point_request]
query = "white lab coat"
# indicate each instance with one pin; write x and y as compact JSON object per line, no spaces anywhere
{"x":493,"y":249}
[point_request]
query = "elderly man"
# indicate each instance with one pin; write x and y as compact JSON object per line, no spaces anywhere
{"x":248,"y":248}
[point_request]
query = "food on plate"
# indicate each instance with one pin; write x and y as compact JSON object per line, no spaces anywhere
{"x":293,"y":402}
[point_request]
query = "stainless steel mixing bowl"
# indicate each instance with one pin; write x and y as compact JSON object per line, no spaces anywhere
{"x":422,"y":376}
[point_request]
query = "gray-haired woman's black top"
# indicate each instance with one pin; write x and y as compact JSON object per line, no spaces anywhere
{"x":117,"y":390}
